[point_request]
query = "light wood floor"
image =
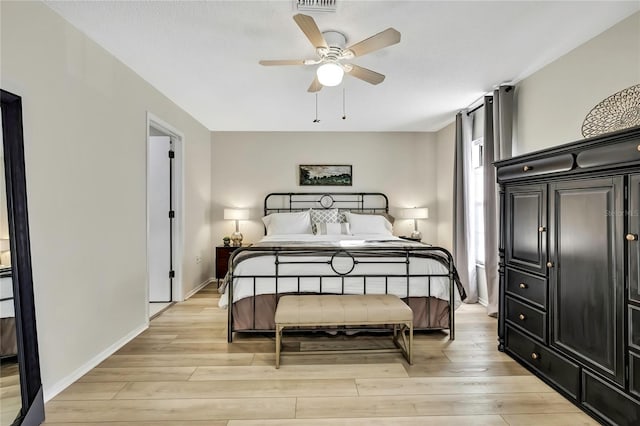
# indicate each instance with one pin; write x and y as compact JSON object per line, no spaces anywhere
{"x":181,"y":371}
{"x":9,"y":391}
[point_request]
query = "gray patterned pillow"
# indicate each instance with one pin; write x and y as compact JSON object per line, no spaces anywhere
{"x":323,"y":216}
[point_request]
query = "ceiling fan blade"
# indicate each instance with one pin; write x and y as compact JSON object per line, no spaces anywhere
{"x":282,"y":62}
{"x":315,"y":86}
{"x":388,"y":37}
{"x":366,"y":74}
{"x":310,"y":29}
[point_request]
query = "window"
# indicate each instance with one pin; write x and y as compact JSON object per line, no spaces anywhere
{"x":477,"y":161}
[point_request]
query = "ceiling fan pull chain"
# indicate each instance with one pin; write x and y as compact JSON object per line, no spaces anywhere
{"x":344,"y":108}
{"x":316,"y":120}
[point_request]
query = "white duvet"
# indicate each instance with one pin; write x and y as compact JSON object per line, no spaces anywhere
{"x":264,"y":265}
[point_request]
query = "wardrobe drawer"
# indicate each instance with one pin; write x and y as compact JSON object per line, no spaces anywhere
{"x":634,"y":374}
{"x":612,"y":154}
{"x":609,"y":403}
{"x":557,"y":369}
{"x":527,"y":286}
{"x":527,"y":318}
{"x":558,"y":163}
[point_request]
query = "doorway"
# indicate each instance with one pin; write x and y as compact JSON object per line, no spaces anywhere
{"x":164,"y":213}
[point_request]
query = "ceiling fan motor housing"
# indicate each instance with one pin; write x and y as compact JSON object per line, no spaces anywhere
{"x":336,"y":42}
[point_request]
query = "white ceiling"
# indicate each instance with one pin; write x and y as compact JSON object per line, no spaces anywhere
{"x":204,"y":55}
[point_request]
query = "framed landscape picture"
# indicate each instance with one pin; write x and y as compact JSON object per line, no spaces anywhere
{"x":338,"y":175}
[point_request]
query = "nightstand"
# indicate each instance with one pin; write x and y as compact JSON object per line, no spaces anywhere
{"x":223,"y":253}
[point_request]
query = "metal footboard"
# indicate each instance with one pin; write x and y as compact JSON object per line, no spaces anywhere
{"x":344,"y":264}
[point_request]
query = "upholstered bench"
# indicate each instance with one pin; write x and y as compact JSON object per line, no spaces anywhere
{"x":340,"y":310}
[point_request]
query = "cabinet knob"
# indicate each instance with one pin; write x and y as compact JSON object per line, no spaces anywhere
{"x":527,"y":168}
{"x":535,"y":355}
{"x":522,"y":317}
{"x":632,"y":237}
{"x":523,"y":285}
{"x":542,"y":229}
{"x":638,"y":147}
{"x":549,"y":264}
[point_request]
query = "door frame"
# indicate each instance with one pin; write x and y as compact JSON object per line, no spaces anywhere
{"x":178,"y":139}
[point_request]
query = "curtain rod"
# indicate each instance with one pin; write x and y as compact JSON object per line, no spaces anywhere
{"x":477,"y":107}
{"x":474,"y":109}
{"x":471,"y":111}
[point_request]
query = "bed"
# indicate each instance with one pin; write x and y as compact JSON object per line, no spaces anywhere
{"x":352,"y":260}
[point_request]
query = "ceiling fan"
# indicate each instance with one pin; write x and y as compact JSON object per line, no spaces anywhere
{"x":330,"y":47}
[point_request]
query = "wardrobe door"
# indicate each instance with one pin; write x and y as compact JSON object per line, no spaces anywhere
{"x":526,"y":222}
{"x":586,"y":272}
{"x":633,"y":234}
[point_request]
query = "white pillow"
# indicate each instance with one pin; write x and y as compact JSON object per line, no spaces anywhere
{"x":369,"y":224}
{"x":288,"y":223}
{"x":332,"y":228}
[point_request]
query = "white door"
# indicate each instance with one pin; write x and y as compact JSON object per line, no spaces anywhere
{"x":160,"y":223}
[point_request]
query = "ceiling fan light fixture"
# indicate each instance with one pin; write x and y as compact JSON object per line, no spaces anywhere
{"x":330,"y":74}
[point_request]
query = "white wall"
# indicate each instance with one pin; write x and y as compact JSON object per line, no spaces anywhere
{"x":445,"y":142}
{"x":249,"y":165}
{"x":84,"y":127}
{"x":553,"y":102}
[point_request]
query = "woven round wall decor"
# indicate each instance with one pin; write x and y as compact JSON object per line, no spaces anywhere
{"x":619,"y":111}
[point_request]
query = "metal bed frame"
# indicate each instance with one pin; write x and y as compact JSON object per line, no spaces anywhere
{"x":291,"y":255}
{"x":362,"y":202}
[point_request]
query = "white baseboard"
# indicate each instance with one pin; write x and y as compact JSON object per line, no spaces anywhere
{"x":56,"y":388}
{"x":483,"y":302}
{"x":53,"y":390}
{"x":199,"y":287}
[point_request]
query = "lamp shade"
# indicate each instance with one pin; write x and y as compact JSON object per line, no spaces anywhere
{"x":236,"y":214}
{"x":415,"y":213}
{"x":330,"y":74}
{"x":4,"y":244}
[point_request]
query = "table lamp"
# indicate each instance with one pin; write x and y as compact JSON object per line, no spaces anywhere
{"x":415,"y":214}
{"x":237,"y":215}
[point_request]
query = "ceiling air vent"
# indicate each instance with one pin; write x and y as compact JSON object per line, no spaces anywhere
{"x":315,"y":5}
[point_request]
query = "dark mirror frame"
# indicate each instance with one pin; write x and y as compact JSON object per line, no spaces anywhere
{"x":32,"y":412}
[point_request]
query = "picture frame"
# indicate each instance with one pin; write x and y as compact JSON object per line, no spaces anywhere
{"x":325,"y":175}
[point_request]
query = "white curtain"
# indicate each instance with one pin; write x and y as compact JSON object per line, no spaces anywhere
{"x":498,"y":139}
{"x":463,"y":225}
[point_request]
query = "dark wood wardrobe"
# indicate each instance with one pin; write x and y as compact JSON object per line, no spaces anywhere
{"x":569,"y":276}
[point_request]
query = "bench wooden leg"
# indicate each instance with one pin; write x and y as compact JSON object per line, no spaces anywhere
{"x":411,"y":343}
{"x":406,"y":346}
{"x":278,"y":343}
{"x":397,"y":329}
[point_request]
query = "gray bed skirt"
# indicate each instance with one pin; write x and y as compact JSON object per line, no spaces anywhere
{"x":8,"y":342}
{"x":428,"y":313}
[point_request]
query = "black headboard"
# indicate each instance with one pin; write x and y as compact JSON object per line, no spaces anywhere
{"x":364,"y":202}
